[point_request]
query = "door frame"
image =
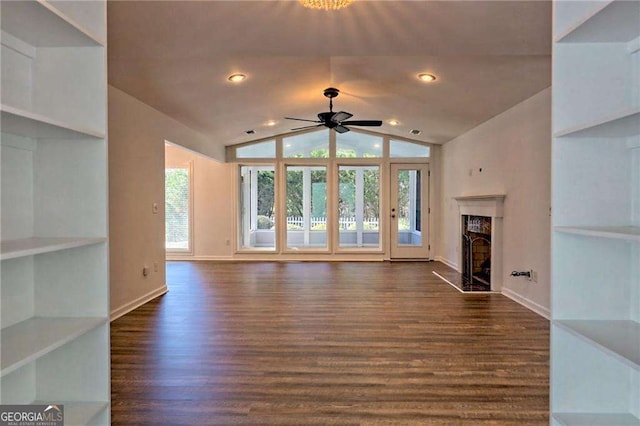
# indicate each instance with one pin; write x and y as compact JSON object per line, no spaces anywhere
{"x":416,"y":252}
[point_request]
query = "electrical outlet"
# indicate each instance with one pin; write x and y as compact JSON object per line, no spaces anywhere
{"x":145,"y":271}
{"x":533,"y":276}
{"x":154,"y":208}
{"x":228,"y":242}
{"x":155,"y":266}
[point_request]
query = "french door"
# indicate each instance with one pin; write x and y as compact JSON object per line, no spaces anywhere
{"x":409,"y":207}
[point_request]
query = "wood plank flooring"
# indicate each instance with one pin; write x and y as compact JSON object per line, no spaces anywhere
{"x":327,"y":343}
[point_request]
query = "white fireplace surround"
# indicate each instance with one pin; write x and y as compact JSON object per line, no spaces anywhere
{"x":488,"y":206}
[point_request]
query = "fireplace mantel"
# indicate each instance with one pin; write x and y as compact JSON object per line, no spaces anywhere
{"x":491,"y":205}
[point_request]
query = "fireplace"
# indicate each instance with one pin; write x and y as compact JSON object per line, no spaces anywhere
{"x":476,"y":253}
{"x":480,"y":253}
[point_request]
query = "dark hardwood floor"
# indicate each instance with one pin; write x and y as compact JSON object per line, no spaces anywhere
{"x":327,"y":343}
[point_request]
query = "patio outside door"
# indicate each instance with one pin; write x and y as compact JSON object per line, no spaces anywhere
{"x":409,"y":206}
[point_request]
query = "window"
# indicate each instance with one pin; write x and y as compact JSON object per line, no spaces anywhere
{"x":307,"y":145}
{"x":257,"y":207}
{"x":306,"y":173}
{"x":358,"y":145}
{"x":359,"y":206}
{"x":407,"y":149}
{"x":178,"y":209}
{"x":306,"y":206}
{"x":257,"y":150}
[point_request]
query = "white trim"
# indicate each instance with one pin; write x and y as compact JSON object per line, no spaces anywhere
{"x":527,"y":303}
{"x":275,"y":257}
{"x":481,"y":205}
{"x":449,"y":282}
{"x":468,"y":292}
{"x":173,"y":257}
{"x":447,"y":262}
{"x":128,"y":307}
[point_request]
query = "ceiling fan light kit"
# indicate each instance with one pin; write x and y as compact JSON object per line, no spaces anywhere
{"x":326,"y":4}
{"x":335,"y":120}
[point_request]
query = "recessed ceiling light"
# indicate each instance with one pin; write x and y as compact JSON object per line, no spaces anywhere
{"x":271,"y":123}
{"x":250,"y":132}
{"x":326,"y":4}
{"x":236,"y":78}
{"x":415,"y":131}
{"x":427,"y":78}
{"x":394,"y":122}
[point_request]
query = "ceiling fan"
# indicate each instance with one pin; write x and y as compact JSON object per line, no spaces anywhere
{"x":335,"y":120}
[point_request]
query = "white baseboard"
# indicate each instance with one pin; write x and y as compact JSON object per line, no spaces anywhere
{"x":189,"y":257}
{"x":128,"y":307}
{"x":308,"y":257}
{"x":447,"y":262}
{"x":535,"y":307}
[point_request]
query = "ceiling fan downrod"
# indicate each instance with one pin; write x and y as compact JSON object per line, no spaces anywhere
{"x":331,"y":92}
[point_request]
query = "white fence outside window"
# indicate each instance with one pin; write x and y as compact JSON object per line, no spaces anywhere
{"x":346,"y":223}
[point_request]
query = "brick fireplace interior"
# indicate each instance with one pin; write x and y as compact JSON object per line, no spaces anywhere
{"x":476,"y":253}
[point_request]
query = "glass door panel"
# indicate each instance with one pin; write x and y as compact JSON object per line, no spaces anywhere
{"x":359,"y":206}
{"x":257,"y":208}
{"x":306,"y":203}
{"x":409,"y":186}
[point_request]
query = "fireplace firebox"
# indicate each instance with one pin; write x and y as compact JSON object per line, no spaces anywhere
{"x":476,"y":253}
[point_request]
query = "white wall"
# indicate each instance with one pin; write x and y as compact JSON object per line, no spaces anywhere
{"x":513,"y":150}
{"x":137,"y":135}
{"x":212,"y":204}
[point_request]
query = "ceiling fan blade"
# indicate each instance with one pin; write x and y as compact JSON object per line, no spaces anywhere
{"x":362,"y":123}
{"x":340,"y":129}
{"x":302,"y":119}
{"x":341,"y":116}
{"x":308,"y":127}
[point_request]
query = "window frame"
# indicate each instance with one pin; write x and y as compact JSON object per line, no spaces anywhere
{"x":332,"y":164}
{"x":303,"y":162}
{"x":382,"y":222}
{"x":238,"y":247}
{"x":189,"y":251}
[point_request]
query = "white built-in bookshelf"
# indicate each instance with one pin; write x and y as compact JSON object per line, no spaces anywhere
{"x":54,"y":321}
{"x":595,"y":335}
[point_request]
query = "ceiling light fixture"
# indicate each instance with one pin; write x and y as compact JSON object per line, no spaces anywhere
{"x":427,"y":78}
{"x":236,"y":78}
{"x":394,"y":122}
{"x":271,"y":123}
{"x":326,"y":4}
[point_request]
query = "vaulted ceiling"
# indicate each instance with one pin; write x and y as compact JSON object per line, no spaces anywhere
{"x":176,"y":56}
